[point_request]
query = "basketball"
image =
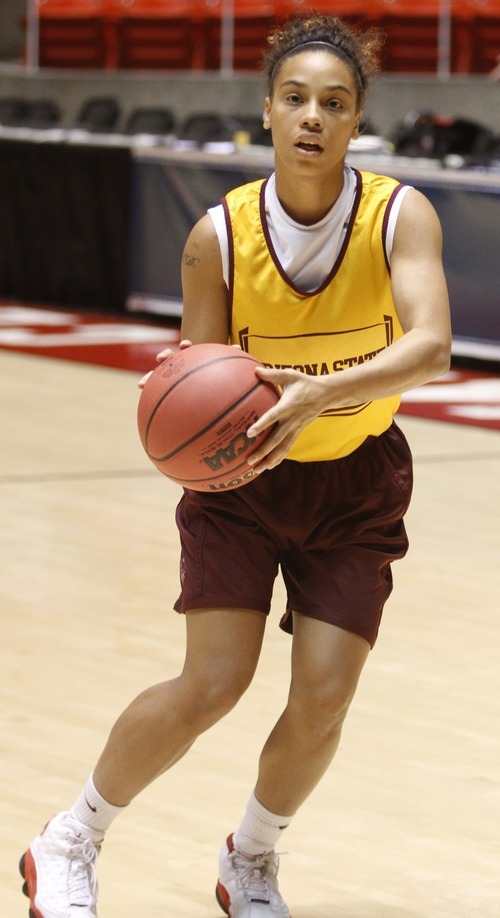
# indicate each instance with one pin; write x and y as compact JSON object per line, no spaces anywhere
{"x":194,"y":412}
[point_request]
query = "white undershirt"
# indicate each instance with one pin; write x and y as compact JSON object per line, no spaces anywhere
{"x":306,"y":253}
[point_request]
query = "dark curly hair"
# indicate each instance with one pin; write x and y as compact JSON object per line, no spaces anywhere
{"x":359,"y":50}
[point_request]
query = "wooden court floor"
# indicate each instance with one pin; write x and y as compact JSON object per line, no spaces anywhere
{"x":407,"y":822}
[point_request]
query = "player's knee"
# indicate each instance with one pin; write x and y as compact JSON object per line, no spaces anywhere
{"x":215,"y":695}
{"x":322,"y":710}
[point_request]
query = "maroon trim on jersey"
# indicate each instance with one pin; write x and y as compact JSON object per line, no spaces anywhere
{"x":340,"y":257}
{"x":230,"y":242}
{"x":385,"y":225}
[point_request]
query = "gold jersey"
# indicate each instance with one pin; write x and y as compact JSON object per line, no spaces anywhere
{"x":349,"y":319}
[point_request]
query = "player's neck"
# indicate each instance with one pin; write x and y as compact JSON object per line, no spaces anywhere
{"x":308,"y":199}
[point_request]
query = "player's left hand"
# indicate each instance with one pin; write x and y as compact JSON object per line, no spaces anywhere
{"x":303,"y":399}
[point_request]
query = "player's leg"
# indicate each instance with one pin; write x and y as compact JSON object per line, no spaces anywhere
{"x":349,"y":519}
{"x":326,"y":665}
{"x":154,"y":732}
{"x":222,"y":652}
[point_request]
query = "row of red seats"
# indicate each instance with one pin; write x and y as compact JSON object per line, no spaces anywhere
{"x":186,"y":34}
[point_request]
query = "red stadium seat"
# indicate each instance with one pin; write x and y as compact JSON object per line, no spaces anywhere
{"x":477,"y":24}
{"x":352,"y":11}
{"x":411,"y":28}
{"x":462,"y":36}
{"x":73,"y":33}
{"x":253,"y":20}
{"x":156,"y":34}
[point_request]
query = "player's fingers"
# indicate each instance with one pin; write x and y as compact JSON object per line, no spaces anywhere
{"x":164,"y":354}
{"x":263,"y":459}
{"x":142,"y":382}
{"x":168,"y":350}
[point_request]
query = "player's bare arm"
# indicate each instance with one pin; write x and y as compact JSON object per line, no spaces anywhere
{"x":205,"y":295}
{"x":205,"y":305}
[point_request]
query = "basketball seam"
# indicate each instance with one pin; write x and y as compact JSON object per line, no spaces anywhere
{"x":203,"y":430}
{"x":186,"y":376}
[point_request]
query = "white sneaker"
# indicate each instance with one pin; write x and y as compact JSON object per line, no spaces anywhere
{"x":59,"y":868}
{"x":248,"y":886}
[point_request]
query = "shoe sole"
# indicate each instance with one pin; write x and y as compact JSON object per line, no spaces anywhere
{"x":27,"y":872}
{"x":222,"y":898}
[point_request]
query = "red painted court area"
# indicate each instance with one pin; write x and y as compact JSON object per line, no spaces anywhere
{"x":111,"y":341}
{"x":460,"y":397}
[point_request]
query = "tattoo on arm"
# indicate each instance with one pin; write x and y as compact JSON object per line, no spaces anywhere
{"x":190,"y":260}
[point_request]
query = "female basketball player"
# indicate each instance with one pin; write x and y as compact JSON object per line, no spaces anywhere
{"x":334,"y":280}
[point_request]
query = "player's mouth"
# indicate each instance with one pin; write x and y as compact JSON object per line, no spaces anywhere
{"x":309,"y":146}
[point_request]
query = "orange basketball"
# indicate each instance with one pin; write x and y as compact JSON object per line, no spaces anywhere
{"x":194,"y":412}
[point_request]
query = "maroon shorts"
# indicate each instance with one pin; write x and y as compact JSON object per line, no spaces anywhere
{"x":333,"y":529}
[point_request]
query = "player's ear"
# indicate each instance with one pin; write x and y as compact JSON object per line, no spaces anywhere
{"x":355,"y":133}
{"x":266,"y":117}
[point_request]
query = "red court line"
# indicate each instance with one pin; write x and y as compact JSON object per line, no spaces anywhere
{"x":113,"y":341}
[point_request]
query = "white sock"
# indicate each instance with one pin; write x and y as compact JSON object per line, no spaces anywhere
{"x":93,"y":811}
{"x":259,"y":829}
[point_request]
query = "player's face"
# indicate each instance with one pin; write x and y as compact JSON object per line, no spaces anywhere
{"x":313,"y":112}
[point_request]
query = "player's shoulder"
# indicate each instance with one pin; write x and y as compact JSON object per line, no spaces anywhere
{"x":246,"y":193}
{"x":378,"y":183}
{"x":416,"y":206}
{"x":202,"y":236}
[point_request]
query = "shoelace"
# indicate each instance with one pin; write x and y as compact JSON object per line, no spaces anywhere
{"x":253,"y":874}
{"x":82,"y":877}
